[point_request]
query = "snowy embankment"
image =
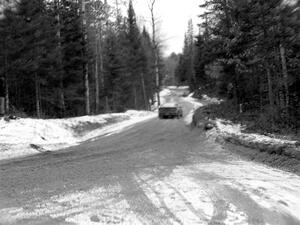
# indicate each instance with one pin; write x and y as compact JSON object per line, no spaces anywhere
{"x":233,"y":133}
{"x":196,"y":105}
{"x":164,"y":95}
{"x":22,"y":137}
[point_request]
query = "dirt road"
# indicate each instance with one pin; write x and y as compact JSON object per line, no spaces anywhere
{"x":157,"y":172}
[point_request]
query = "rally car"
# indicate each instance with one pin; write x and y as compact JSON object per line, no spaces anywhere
{"x":170,"y":110}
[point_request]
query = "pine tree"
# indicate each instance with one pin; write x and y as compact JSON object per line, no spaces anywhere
{"x":255,"y":42}
{"x":186,"y":71}
{"x":134,"y":59}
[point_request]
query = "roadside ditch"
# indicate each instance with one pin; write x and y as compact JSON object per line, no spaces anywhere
{"x":279,"y":153}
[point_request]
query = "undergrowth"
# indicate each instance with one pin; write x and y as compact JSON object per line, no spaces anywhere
{"x":256,"y":121}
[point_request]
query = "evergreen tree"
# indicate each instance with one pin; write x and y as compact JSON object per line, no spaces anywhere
{"x":256,"y":43}
{"x":53,"y":60}
{"x":186,"y":71}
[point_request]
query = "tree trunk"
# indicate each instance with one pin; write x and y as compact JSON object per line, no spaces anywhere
{"x":114,"y":99}
{"x":6,"y":82}
{"x":6,"y":96}
{"x":107,"y":108}
{"x":144,"y":92}
{"x":37,"y":96}
{"x":86,"y":66}
{"x":61,"y":75}
{"x":87,"y":89}
{"x":285,"y":74}
{"x":62,"y":97}
{"x":157,"y":80}
{"x":101,"y":69}
{"x":261,"y":85}
{"x":270,"y":87}
{"x":135,"y":97}
{"x":154,"y":42}
{"x":97,"y":95}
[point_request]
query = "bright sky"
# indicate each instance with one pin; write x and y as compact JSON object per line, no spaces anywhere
{"x":172,"y":16}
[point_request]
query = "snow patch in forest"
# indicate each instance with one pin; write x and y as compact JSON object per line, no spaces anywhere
{"x":22,"y":137}
{"x":195,"y":103}
{"x":212,"y":100}
{"x":227,"y":128}
{"x":165,"y":92}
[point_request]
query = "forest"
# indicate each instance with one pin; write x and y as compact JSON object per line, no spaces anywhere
{"x":62,"y":58}
{"x":248,"y":52}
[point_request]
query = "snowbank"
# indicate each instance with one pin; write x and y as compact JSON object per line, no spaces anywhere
{"x":233,"y":133}
{"x":179,"y":87}
{"x":196,"y":104}
{"x":22,"y":137}
{"x":164,"y":95}
{"x":211,"y":100}
{"x":227,"y":129}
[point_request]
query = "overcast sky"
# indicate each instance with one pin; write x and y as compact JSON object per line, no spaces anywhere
{"x":173,"y":16}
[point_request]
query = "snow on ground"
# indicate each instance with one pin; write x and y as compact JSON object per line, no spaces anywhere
{"x":212,"y":100}
{"x":228,"y":129}
{"x":164,"y":95}
{"x":98,"y":205}
{"x":180,"y":197}
{"x":196,"y":104}
{"x":178,"y":87}
{"x":271,"y":188}
{"x":28,"y":136}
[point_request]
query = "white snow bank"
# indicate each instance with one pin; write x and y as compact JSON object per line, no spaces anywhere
{"x":211,"y":100}
{"x":227,"y":129}
{"x":196,"y":104}
{"x":165,"y":92}
{"x":179,"y":87}
{"x":164,"y":95}
{"x":28,"y":136}
{"x":194,"y":101}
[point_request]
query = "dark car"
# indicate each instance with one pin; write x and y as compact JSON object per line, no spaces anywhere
{"x":170,"y":110}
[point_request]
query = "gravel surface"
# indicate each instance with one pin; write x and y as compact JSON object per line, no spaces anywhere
{"x":157,"y":172}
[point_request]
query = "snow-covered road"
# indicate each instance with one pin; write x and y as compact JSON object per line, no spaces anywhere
{"x":155,"y":172}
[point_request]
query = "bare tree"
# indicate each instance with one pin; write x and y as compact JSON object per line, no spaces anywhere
{"x":285,"y":74}
{"x":151,"y":5}
{"x":86,"y":66}
{"x":60,"y":62}
{"x":98,"y":11}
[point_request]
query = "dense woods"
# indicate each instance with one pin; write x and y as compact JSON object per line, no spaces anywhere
{"x":69,"y":57}
{"x":72,"y":57}
{"x":249,"y":52}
